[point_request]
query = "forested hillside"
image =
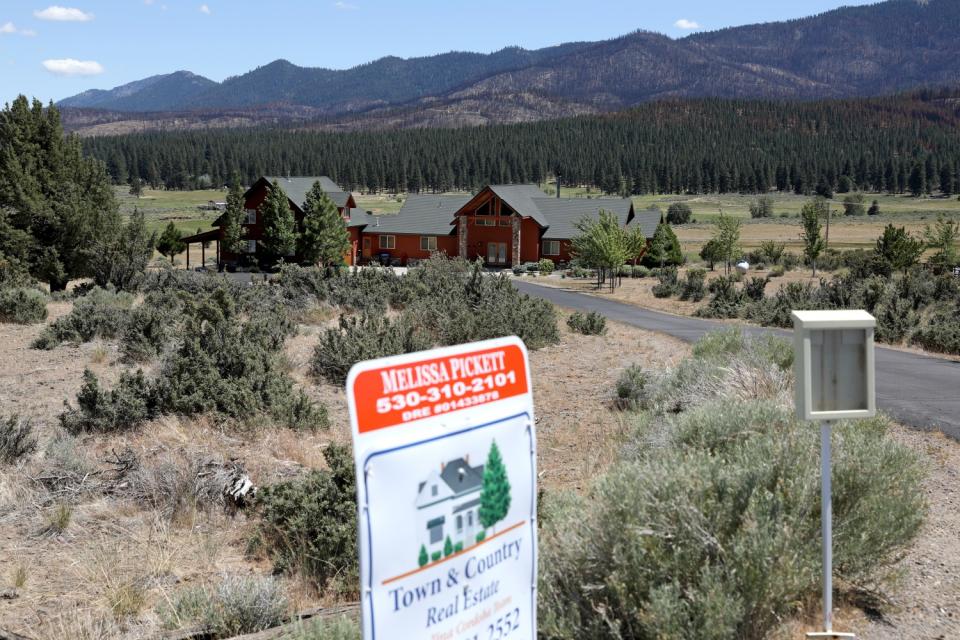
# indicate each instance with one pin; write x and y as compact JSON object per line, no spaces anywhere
{"x":895,"y":144}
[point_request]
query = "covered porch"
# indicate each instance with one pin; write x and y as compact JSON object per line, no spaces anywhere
{"x":204,"y":239}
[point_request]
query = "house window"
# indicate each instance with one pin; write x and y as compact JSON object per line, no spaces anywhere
{"x":551,"y":247}
{"x":506,"y":222}
{"x":251,"y":246}
{"x":459,"y":524}
{"x":470,"y":518}
{"x":435,"y":527}
{"x":388,"y":242}
{"x":433,"y":491}
{"x":251,"y":216}
{"x":428,"y":243}
{"x":486,"y":222}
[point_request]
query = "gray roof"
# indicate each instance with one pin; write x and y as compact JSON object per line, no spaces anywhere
{"x":649,"y":220}
{"x":471,"y":478}
{"x":421,"y":214}
{"x":523,"y":199}
{"x":297,"y":187}
{"x":562,"y":214}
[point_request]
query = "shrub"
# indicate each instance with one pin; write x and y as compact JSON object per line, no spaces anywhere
{"x":679,"y":213}
{"x":546,"y":266}
{"x":363,"y":338}
{"x":693,"y":287}
{"x":940,"y":332}
{"x":633,"y":388}
{"x":590,"y":324}
{"x":22,"y":306}
{"x":308,"y":525}
{"x":16,"y":439}
{"x":101,"y":313}
{"x":777,"y":271}
{"x":668,"y":283}
{"x":716,"y":534}
{"x":762,"y":207}
{"x":459,"y":303}
{"x":755,"y":288}
{"x":518,"y":270}
{"x":124,"y":407}
{"x":236,"y":605}
{"x":772,"y":252}
{"x":640,"y":271}
{"x":726,"y":300}
{"x":776,"y":310}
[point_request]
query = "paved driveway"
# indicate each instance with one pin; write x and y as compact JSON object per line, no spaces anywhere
{"x":916,"y":390}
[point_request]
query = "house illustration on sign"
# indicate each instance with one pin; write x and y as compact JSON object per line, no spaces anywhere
{"x":448,"y":504}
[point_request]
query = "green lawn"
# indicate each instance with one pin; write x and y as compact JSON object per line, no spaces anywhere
{"x":180,"y":207}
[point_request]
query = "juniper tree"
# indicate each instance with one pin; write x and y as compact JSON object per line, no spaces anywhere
{"x":279,"y":238}
{"x":495,"y":495}
{"x":325,"y":238}
{"x":170,"y":242}
{"x":898,"y":248}
{"x":665,"y":247}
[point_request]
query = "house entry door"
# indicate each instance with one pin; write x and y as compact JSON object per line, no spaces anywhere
{"x":497,"y":252}
{"x":366,"y":247}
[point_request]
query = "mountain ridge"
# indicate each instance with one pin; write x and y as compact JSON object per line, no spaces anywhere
{"x":850,"y":51}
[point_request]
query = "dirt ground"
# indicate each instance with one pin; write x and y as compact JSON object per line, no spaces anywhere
{"x":114,"y":546}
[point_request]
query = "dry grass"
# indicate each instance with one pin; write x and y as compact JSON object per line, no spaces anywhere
{"x":18,"y":577}
{"x":58,"y":519}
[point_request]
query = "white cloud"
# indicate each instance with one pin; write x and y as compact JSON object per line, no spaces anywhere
{"x":205,"y":9}
{"x":683,"y":23}
{"x":71,"y":67}
{"x":63,"y":14}
{"x":148,"y":2}
{"x":9,"y":27}
{"x":345,"y":6}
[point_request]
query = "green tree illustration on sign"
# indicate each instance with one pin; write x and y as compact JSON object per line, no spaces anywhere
{"x":495,"y":498}
{"x":424,"y":558}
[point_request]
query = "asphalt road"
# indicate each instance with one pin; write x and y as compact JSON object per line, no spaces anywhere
{"x":916,"y":390}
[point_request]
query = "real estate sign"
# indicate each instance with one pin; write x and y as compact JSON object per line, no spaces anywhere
{"x":445,"y":453}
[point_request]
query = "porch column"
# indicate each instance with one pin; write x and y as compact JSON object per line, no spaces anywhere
{"x":462,"y":236}
{"x":203,"y":254}
{"x":188,"y":256}
{"x":516,"y":241}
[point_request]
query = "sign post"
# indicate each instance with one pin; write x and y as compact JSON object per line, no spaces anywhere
{"x":834,"y":366}
{"x":445,"y":454}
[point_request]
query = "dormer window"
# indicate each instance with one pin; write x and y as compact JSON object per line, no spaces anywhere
{"x":251,"y":216}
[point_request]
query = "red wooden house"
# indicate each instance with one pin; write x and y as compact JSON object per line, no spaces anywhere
{"x":503,"y":225}
{"x":296,"y":189}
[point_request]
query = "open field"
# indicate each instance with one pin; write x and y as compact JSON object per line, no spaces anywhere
{"x":160,"y":207}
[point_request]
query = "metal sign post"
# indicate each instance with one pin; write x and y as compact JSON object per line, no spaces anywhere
{"x":834,"y":366}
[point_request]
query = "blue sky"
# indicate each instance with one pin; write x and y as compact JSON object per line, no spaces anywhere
{"x":52,"y":51}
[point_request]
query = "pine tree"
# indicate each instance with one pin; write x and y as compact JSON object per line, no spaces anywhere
{"x":812,"y":240}
{"x":170,"y":242}
{"x":495,"y":496}
{"x":898,"y":248}
{"x":136,"y":188}
{"x":874,"y":209}
{"x":325,"y":238}
{"x":279,"y":238}
{"x":447,"y":547}
{"x":233,"y":217}
{"x":917,"y":182}
{"x":943,"y":237}
{"x":423,"y":558}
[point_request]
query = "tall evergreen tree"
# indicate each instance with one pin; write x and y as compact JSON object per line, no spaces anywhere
{"x":943,"y":237}
{"x":279,"y":238}
{"x":898,"y":248}
{"x":495,"y":495}
{"x":58,"y":202}
{"x":123,"y":258}
{"x":233,"y":217}
{"x":917,"y":182}
{"x":325,"y":239}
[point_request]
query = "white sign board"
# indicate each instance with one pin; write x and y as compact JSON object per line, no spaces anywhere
{"x":445,"y":454}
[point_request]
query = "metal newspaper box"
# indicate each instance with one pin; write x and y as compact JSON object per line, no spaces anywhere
{"x":445,"y":453}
